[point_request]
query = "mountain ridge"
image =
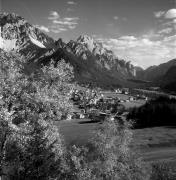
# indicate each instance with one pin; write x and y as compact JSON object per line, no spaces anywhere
{"x":154,"y":73}
{"x":17,"y":35}
{"x":92,"y":62}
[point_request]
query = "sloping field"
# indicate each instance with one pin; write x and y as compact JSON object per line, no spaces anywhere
{"x":155,"y":144}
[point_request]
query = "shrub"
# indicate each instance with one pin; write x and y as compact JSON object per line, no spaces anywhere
{"x":114,"y":159}
{"x":162,"y":171}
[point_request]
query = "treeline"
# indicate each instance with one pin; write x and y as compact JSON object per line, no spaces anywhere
{"x":157,"y":112}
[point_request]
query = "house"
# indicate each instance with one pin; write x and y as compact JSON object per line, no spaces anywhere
{"x":125,"y":91}
{"x":118,"y":91}
{"x":82,"y":116}
{"x":69,"y":116}
{"x":131,"y":98}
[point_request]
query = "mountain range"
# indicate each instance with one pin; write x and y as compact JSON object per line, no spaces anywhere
{"x":91,"y":61}
{"x":163,"y":75}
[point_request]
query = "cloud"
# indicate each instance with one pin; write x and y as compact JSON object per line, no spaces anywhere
{"x":53,"y":15}
{"x":70,"y":9}
{"x":170,"y":14}
{"x":171,"y":23}
{"x":142,"y":51}
{"x":60,"y":24}
{"x":115,"y":17}
{"x":159,"y":14}
{"x":71,"y":3}
{"x":130,"y":38}
{"x":151,"y":34}
{"x":67,"y":22}
{"x":165,"y":31}
{"x":43,"y":28}
{"x":170,"y":41}
{"x":57,"y":29}
{"x":168,"y":21}
{"x":64,"y":22}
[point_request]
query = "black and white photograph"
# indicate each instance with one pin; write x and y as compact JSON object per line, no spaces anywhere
{"x":87,"y":89}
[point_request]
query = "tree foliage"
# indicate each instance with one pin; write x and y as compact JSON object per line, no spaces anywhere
{"x":114,"y":157}
{"x":29,"y":105}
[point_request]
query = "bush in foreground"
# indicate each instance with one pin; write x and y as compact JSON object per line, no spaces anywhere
{"x":162,"y":171}
{"x":114,"y":159}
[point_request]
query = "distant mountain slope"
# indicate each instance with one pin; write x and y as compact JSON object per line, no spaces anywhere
{"x":163,"y":75}
{"x":168,"y":81}
{"x":154,"y":73}
{"x":171,"y":73}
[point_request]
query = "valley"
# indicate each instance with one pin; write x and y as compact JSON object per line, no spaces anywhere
{"x":155,"y":144}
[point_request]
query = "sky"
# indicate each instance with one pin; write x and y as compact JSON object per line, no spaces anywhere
{"x":140,"y":31}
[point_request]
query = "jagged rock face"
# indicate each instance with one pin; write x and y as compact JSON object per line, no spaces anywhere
{"x":87,"y":48}
{"x":16,"y":34}
{"x":60,"y":44}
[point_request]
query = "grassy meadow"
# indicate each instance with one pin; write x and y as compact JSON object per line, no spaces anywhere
{"x":155,"y":143}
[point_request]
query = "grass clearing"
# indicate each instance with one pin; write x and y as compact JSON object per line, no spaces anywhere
{"x":132,"y":104}
{"x":125,"y":97}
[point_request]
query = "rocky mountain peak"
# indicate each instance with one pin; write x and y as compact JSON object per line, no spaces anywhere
{"x":11,"y":18}
{"x":87,"y":46}
{"x":87,"y":41}
{"x":60,"y":44}
{"x":91,"y":44}
{"x":16,"y":34}
{"x":84,"y":38}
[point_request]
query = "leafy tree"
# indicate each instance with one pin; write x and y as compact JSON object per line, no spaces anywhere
{"x":6,"y":141}
{"x":78,"y":165}
{"x":163,"y":171}
{"x":42,"y":153}
{"x":114,"y":157}
{"x":33,"y":101}
{"x":8,"y":75}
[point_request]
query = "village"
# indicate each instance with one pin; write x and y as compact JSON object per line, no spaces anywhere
{"x":97,"y":105}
